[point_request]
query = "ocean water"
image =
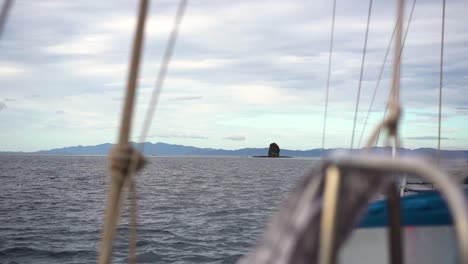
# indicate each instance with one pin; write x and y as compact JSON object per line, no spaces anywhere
{"x":191,"y":209}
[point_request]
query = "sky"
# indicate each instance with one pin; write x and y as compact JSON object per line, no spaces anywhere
{"x":244,"y":73}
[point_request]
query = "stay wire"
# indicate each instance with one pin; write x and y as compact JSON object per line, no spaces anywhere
{"x":361,"y":74}
{"x":169,"y":50}
{"x":382,"y":68}
{"x":330,"y":55}
{"x":441,"y":80}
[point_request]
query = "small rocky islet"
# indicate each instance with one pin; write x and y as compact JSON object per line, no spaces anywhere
{"x":273,"y":152}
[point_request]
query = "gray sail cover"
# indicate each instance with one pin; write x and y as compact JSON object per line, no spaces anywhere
{"x":293,"y":234}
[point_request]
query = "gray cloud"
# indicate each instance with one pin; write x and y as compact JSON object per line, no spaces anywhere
{"x":428,"y":117}
{"x":283,"y":47}
{"x":186,"y":98}
{"x":182,"y":136}
{"x":2,"y":106}
{"x":235,"y":138}
{"x":462,"y":110}
{"x":427,"y":138}
{"x":32,"y":96}
{"x":60,"y":112}
{"x":9,"y":100}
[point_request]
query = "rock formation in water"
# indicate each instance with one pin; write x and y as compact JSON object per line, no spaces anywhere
{"x":273,"y":151}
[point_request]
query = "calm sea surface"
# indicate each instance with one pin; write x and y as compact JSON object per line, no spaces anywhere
{"x":191,"y":209}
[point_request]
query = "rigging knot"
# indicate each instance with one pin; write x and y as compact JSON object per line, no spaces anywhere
{"x":121,"y":158}
{"x":393,"y":117}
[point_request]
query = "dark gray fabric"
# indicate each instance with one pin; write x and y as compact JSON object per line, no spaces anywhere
{"x":293,"y":234}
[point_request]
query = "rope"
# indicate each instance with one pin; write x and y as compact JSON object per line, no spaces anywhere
{"x":330,"y":53}
{"x":395,"y":94}
{"x":130,"y":175}
{"x":4,"y":14}
{"x":132,"y":234}
{"x":440,"y":80}
{"x":361,"y":74}
{"x":377,"y":84}
{"x":120,"y":154}
{"x":147,"y":124}
{"x":391,"y":120}
{"x":391,"y":123}
{"x":382,"y":69}
{"x":162,"y":71}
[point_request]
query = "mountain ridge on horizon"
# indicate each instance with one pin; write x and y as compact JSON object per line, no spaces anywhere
{"x":161,"y":148}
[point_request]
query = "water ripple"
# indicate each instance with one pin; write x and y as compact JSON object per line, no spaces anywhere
{"x":191,"y":209}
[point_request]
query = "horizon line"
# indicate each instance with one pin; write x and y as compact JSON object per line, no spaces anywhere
{"x":266,"y":147}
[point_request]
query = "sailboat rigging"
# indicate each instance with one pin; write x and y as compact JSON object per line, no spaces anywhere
{"x":320,"y":214}
{"x":123,"y":175}
{"x":361,"y":74}
{"x":327,"y":91}
{"x":123,"y":153}
{"x":340,"y":195}
{"x":440,"y":78}
{"x":382,"y":67}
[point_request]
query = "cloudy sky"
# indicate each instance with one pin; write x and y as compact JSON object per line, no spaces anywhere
{"x":244,"y":73}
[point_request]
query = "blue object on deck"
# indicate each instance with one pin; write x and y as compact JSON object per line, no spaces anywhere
{"x":423,"y":209}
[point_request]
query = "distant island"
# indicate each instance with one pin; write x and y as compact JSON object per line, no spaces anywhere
{"x":180,"y":150}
